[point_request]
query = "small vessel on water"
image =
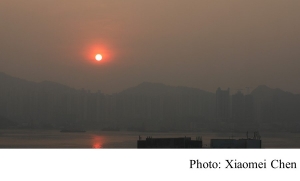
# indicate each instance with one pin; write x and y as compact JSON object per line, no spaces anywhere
{"x":72,"y":130}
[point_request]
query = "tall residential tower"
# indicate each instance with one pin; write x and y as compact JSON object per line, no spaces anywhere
{"x":222,"y":105}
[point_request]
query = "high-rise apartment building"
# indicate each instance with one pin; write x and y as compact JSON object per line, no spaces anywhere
{"x":222,"y":105}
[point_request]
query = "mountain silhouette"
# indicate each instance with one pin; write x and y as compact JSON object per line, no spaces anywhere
{"x":10,"y":83}
{"x":265,"y":91}
{"x":152,"y":89}
{"x":277,"y":109}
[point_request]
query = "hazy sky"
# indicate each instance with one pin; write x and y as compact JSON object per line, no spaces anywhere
{"x":196,"y":43}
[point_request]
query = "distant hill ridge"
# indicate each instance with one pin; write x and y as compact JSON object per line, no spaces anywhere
{"x":148,"y":88}
{"x":263,"y":89}
{"x":145,"y":88}
{"x":17,"y":83}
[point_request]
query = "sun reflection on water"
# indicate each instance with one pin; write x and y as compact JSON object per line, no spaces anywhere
{"x":97,"y":141}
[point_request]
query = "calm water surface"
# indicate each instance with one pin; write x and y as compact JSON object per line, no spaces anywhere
{"x":122,"y":139}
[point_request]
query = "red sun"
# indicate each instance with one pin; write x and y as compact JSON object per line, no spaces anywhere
{"x":98,"y":54}
{"x":98,"y":57}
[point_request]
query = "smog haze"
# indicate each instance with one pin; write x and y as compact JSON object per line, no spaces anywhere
{"x":201,"y":44}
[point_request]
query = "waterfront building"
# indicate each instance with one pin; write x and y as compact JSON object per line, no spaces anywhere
{"x":184,"y":142}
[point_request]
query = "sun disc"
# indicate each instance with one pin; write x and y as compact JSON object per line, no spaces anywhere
{"x":98,"y":57}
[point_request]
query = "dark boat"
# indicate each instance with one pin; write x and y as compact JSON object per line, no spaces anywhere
{"x":72,"y":130}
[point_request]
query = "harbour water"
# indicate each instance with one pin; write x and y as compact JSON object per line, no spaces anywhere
{"x":124,"y":139}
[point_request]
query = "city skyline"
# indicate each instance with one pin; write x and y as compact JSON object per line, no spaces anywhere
{"x":146,"y":107}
